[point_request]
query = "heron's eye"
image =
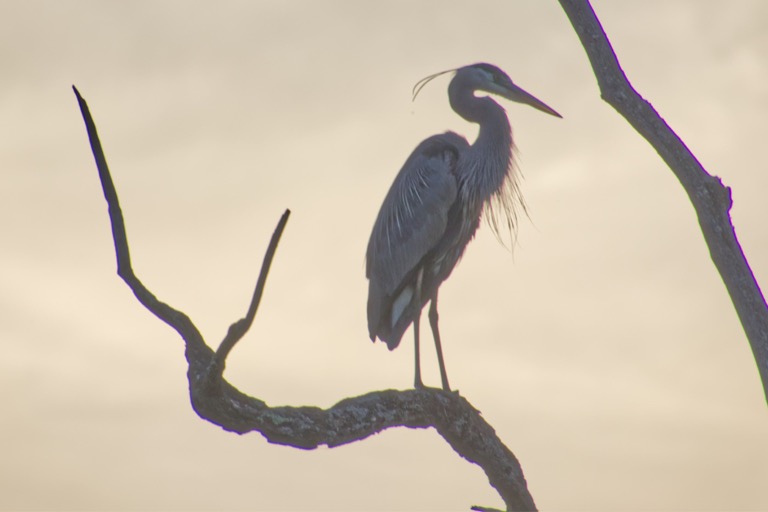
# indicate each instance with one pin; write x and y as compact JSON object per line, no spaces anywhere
{"x":490,"y":73}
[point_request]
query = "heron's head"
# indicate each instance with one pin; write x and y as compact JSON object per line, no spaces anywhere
{"x":491,"y":79}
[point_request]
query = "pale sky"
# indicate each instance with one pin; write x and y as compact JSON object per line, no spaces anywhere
{"x":604,"y":351}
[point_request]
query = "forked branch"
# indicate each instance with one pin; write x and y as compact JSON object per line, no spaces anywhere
{"x":352,"y":419}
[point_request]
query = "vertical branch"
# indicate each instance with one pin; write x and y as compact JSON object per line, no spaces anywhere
{"x":238,"y":329}
{"x":711,"y":200}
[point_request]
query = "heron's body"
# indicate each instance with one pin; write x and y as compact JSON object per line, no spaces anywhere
{"x":434,"y":207}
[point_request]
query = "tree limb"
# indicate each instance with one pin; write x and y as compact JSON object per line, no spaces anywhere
{"x":352,"y":419}
{"x":711,"y":200}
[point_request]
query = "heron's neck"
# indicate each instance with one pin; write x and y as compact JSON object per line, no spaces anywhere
{"x":492,"y":150}
{"x":495,"y":135}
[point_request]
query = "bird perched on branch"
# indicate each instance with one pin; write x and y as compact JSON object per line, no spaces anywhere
{"x":434,"y":206}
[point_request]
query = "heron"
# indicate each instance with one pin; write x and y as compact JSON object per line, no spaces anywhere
{"x":435,"y":205}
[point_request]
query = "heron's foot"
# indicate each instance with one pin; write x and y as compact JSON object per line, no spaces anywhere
{"x":418,"y":384}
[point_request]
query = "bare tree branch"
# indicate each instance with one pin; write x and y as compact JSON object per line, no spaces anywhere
{"x":164,"y":312}
{"x":711,"y":200}
{"x":352,"y":419}
{"x":238,"y":329}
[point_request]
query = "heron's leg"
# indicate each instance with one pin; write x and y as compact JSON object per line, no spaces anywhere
{"x":438,"y":347}
{"x":417,"y":304}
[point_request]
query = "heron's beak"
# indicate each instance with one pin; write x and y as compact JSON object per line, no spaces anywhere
{"x":515,"y":93}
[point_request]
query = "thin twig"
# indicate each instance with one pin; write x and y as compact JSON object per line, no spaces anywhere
{"x":238,"y":329}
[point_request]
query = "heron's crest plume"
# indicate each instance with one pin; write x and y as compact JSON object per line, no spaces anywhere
{"x":424,"y":81}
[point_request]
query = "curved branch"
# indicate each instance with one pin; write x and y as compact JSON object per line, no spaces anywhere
{"x":164,"y":312}
{"x":352,"y":419}
{"x":711,"y":200}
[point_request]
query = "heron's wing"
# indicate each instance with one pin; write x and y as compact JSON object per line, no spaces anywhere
{"x":414,"y":214}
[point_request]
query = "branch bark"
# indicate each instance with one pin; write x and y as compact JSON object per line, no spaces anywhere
{"x":352,"y":419}
{"x":711,"y":200}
